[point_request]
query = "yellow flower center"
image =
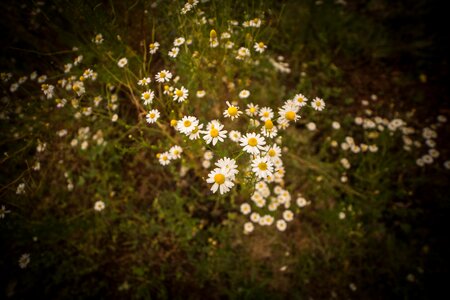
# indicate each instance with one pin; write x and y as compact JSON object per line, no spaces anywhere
{"x":176,"y":152}
{"x":212,"y":34}
{"x":187,"y":123}
{"x":252,"y":142}
{"x":252,"y":110}
{"x":272,"y":152}
{"x":173,"y":122}
{"x":262,"y":166}
{"x":268,"y":124}
{"x":162,"y":75}
{"x":214,"y":132}
{"x":266,"y":114}
{"x":261,"y":45}
{"x":179,"y":93}
{"x":152,"y":46}
{"x":152,"y":115}
{"x":76,"y":88}
{"x":146,"y":96}
{"x":290,"y":115}
{"x":232,"y":111}
{"x":166,"y":87}
{"x":219,"y":178}
{"x":195,"y":130}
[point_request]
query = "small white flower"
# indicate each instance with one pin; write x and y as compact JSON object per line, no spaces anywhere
{"x":163,"y":76}
{"x":214,"y":133}
{"x":20,"y":189}
{"x":318,"y":104}
{"x":99,"y":205}
{"x":179,"y":41}
{"x":174,"y":52}
{"x":244,"y":94}
{"x":187,"y":124}
{"x":248,"y":227}
{"x":153,"y":47}
{"x":232,"y":111}
{"x":175,"y":152}
{"x":181,"y":94}
{"x":281,"y":225}
{"x":262,"y":167}
{"x":220,"y":179}
{"x":260,"y":47}
{"x":145,"y":81}
{"x":122,"y":62}
{"x":200,"y":93}
{"x":24,"y":260}
{"x":152,"y":116}
{"x":253,"y":143}
{"x":148,"y":97}
{"x":246,"y":208}
{"x":164,"y":158}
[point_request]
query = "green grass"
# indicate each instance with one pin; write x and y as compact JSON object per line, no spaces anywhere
{"x":163,"y":234}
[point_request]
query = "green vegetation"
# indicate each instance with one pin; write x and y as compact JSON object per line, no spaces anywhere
{"x":89,"y":207}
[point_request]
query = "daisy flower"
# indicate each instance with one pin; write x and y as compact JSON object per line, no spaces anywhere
{"x":200,"y":93}
{"x":265,"y":113}
{"x":180,"y":95}
{"x":214,"y":132}
{"x":318,"y":104}
{"x":262,"y":167}
{"x":246,"y":208}
{"x":163,"y":76}
{"x":244,"y":94}
{"x":289,"y":112}
{"x":281,"y":225}
{"x":229,"y":165}
{"x":254,"y":217}
{"x":144,"y":81}
{"x":179,"y":41}
{"x":164,"y":158}
{"x":234,"y":135}
{"x":3,"y":212}
{"x":220,"y":179}
{"x":148,"y":97}
{"x":273,"y":152}
{"x":252,"y":143}
{"x":248,"y":227}
{"x":99,"y":205}
{"x":243,"y":53}
{"x":174,"y":52}
{"x":175,"y":152}
{"x":152,"y":116}
{"x":213,"y":42}
{"x":153,"y":47}
{"x":260,"y":47}
{"x":24,"y":260}
{"x":187,"y":124}
{"x":122,"y":62}
{"x":98,"y":39}
{"x":229,"y":45}
{"x":232,"y":111}
{"x":195,"y":133}
{"x":266,"y":220}
{"x":208,"y":155}
{"x":288,"y":215}
{"x":252,"y":109}
{"x":269,"y":130}
{"x":300,"y":100}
